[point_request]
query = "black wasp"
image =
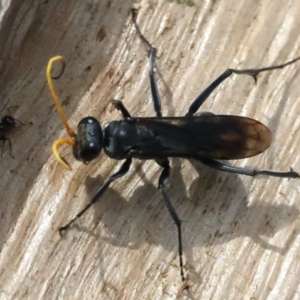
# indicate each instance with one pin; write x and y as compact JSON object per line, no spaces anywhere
{"x":204,"y":138}
{"x":7,"y":124}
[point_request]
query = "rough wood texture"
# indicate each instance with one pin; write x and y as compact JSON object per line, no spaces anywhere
{"x":240,"y":234}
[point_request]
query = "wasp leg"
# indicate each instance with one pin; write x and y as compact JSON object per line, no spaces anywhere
{"x":246,"y":171}
{"x":122,"y":171}
{"x":251,"y":72}
{"x":120,"y":106}
{"x":153,"y":81}
{"x":164,"y":163}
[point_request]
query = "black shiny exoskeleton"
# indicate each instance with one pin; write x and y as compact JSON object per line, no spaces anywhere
{"x":205,"y":138}
{"x":6,"y":125}
{"x":88,"y":140}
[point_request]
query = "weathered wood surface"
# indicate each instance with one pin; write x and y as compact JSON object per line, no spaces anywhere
{"x":240,"y":234}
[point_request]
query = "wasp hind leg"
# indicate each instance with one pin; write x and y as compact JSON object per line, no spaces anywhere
{"x":246,"y":171}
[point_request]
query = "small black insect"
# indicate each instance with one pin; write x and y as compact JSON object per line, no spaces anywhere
{"x":205,"y":138}
{"x":7,"y":124}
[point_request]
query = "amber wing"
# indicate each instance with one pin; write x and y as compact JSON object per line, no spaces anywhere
{"x":207,"y":136}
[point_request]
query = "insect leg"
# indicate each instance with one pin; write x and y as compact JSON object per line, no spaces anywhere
{"x":4,"y":139}
{"x":246,"y":171}
{"x":153,"y":82}
{"x":161,"y":184}
{"x":16,"y":120}
{"x":120,"y":106}
{"x":251,"y":72}
{"x":9,"y":109}
{"x":23,"y":124}
{"x":122,"y":171}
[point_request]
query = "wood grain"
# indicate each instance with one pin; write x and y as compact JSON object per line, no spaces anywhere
{"x":241,"y":235}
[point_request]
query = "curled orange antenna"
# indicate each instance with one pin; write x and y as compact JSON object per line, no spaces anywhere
{"x":60,"y":159}
{"x":57,"y":103}
{"x":63,"y":117}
